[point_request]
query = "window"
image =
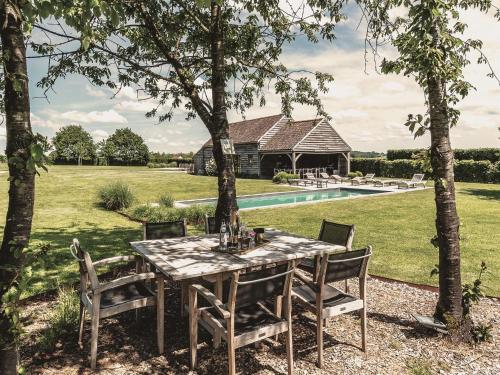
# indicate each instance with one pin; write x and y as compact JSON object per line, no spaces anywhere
{"x":250,"y":159}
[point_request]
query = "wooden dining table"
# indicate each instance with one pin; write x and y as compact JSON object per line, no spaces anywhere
{"x":186,"y":259}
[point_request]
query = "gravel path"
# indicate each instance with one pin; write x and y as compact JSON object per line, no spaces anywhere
{"x":395,"y":344}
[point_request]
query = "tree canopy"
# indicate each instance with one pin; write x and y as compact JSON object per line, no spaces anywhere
{"x":124,"y":147}
{"x":73,"y":144}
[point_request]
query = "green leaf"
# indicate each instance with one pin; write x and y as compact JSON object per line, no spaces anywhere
{"x":85,"y":43}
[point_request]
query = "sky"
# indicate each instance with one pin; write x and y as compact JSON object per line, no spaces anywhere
{"x":368,"y":109}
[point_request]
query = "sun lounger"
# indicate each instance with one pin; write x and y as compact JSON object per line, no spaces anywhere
{"x":336,"y":178}
{"x":417,"y":179}
{"x":383,"y":183}
{"x":363,"y":180}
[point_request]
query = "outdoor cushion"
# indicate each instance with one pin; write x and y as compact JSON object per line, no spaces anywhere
{"x":123,"y":294}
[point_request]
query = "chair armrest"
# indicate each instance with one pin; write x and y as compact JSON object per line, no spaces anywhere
{"x":125,"y":280}
{"x":121,"y":258}
{"x":309,"y":282}
{"x":212,"y":299}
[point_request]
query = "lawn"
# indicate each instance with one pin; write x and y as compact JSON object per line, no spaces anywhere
{"x":399,"y":227}
{"x":65,"y":207}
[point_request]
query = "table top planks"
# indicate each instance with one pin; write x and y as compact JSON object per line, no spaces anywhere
{"x":191,"y":257}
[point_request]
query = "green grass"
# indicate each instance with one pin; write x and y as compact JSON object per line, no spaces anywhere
{"x":66,"y":206}
{"x":399,"y":227}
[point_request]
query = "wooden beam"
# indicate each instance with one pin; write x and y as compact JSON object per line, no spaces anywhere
{"x":293,"y":162}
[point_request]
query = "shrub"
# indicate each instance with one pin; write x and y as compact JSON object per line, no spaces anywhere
{"x":62,"y":320}
{"x":116,"y":196}
{"x":495,"y":173}
{"x":473,"y":171}
{"x":211,"y":167}
{"x":166,"y":200}
{"x":282,"y":177}
{"x":367,"y":165}
{"x":355,"y":174}
{"x":402,"y":153}
{"x":400,"y":168}
{"x":194,"y":215}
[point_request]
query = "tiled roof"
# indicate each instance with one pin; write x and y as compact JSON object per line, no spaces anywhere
{"x":289,"y":135}
{"x":249,"y":131}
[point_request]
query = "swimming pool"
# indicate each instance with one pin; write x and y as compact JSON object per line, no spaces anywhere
{"x":289,"y":198}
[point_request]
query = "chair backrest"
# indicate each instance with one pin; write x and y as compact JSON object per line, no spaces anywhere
{"x":244,"y":289}
{"x":337,"y":234}
{"x":86,"y":267}
{"x":169,"y":229}
{"x":210,"y":225}
{"x":417,"y":177}
{"x":324,"y":175}
{"x":310,"y":176}
{"x":370,"y":175}
{"x":335,"y":176}
{"x":344,"y":266}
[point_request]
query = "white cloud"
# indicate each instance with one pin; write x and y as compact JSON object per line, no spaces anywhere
{"x":350,"y":113}
{"x":110,"y":116}
{"x":127,"y":93}
{"x":392,"y":87}
{"x":135,"y":106}
{"x":99,"y":135}
{"x":92,"y":91}
{"x":37,"y":121}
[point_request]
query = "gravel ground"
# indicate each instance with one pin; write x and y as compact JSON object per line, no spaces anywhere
{"x":396,"y":345}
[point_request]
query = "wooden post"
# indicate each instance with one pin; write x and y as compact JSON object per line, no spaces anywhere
{"x":293,"y":162}
{"x":348,"y":162}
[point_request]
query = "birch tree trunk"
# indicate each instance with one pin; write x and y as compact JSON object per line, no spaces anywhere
{"x":22,"y":181}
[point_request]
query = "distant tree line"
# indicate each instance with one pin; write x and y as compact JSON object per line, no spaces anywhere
{"x":74,"y":145}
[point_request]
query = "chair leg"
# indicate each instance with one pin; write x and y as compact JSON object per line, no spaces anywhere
{"x":363,"y":329}
{"x":319,"y":337}
{"x":231,"y":352}
{"x":83,"y":310}
{"x":95,"y":330}
{"x":278,"y":306}
{"x":193,"y":326}
{"x":160,"y":314}
{"x":346,"y":287}
{"x":289,"y":340}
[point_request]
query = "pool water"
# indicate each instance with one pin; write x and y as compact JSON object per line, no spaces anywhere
{"x":276,"y":199}
{"x":305,"y":196}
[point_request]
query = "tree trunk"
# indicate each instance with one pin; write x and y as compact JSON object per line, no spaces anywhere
{"x":447,"y":221}
{"x":220,"y":126}
{"x":449,"y":307}
{"x":22,"y":181}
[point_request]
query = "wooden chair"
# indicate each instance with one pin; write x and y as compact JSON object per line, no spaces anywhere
{"x":102,"y":300}
{"x":210,"y":227}
{"x":243,"y":319}
{"x":326,"y":301}
{"x":169,"y":229}
{"x":334,"y":233}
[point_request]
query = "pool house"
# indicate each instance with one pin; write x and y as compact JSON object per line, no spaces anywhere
{"x":275,"y":143}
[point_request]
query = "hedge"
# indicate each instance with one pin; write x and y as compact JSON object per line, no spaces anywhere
{"x":465,"y":170}
{"x":478,"y":154}
{"x":473,"y":171}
